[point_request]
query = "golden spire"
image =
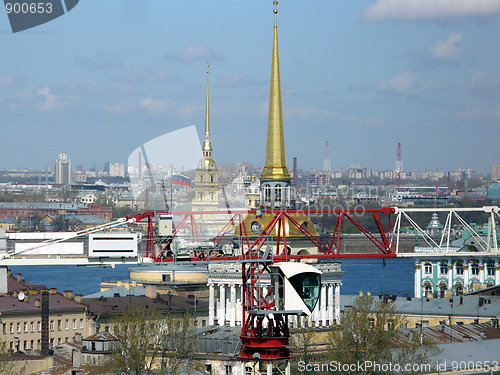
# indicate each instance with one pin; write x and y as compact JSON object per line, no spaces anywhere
{"x":207,"y":144}
{"x":275,"y":167}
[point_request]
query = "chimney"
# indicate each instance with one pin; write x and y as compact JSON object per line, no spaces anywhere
{"x":45,"y":322}
{"x":68,"y":294}
{"x":9,"y":273}
{"x":53,"y":290}
{"x":361,"y":294}
{"x":33,"y":292}
{"x":19,"y":278}
{"x":76,"y":358}
{"x":151,"y":292}
{"x":78,"y":298}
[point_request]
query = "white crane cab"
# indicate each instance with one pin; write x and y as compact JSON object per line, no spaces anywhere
{"x":297,"y":287}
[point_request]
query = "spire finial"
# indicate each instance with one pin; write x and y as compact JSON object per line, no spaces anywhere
{"x":275,"y":167}
{"x":207,"y":144}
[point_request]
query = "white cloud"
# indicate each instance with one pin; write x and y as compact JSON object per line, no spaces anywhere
{"x":483,"y":83}
{"x":450,"y":49}
{"x":406,"y":83}
{"x":51,"y":102}
{"x":156,"y":105}
{"x":7,"y":82}
{"x":186,"y":112}
{"x":194,"y":53}
{"x":102,"y":61}
{"x":149,"y":76}
{"x":481,"y":114}
{"x":416,"y":10}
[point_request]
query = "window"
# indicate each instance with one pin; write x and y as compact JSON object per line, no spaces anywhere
{"x":51,"y":325}
{"x":11,"y":327}
{"x":390,"y":324}
{"x":425,"y":323}
{"x":166,"y":278}
{"x":278,"y":194}
{"x":59,"y":324}
{"x":25,"y":343}
{"x":459,"y":290}
{"x":81,"y":323}
{"x":25,"y":326}
{"x":442,"y":291}
{"x":459,"y":268}
{"x":4,"y":328}
{"x":490,"y":269}
{"x":474,"y":268}
{"x":229,"y":369}
{"x":443,"y":268}
{"x":74,"y":323}
{"x":32,"y":327}
{"x":427,"y":290}
{"x":18,"y":327}
{"x":66,"y":325}
{"x":428,"y":268}
{"x":32,"y":344}
{"x":39,"y":326}
{"x":59,"y":341}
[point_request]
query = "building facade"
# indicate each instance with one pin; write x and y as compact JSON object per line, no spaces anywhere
{"x":62,"y":169}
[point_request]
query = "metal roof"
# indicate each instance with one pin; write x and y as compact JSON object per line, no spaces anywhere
{"x":458,"y":306}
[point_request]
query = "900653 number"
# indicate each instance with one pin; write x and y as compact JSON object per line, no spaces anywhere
{"x":25,"y":8}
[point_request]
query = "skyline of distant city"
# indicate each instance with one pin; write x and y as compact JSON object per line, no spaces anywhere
{"x":361,"y":75}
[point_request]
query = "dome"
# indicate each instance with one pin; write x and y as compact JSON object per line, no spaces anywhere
{"x":494,"y":191}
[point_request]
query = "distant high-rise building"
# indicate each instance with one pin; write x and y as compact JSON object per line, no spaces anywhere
{"x":116,"y":169}
{"x":63,"y":169}
{"x":495,"y":172}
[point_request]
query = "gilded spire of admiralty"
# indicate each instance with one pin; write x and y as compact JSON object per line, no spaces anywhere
{"x":275,"y":167}
{"x":207,"y":144}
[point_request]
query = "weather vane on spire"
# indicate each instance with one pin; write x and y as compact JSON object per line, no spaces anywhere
{"x":275,"y":2}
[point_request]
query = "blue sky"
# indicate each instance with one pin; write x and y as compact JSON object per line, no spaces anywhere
{"x":364,"y":75}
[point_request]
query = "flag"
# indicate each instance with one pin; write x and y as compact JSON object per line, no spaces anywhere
{"x":439,"y":191}
{"x":179,"y":179}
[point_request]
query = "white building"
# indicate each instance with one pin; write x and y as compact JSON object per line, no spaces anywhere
{"x":117,"y":170}
{"x":63,"y":169}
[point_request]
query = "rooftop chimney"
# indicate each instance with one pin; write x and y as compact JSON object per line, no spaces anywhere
{"x":19,"y":278}
{"x":78,"y":298}
{"x":68,"y":294}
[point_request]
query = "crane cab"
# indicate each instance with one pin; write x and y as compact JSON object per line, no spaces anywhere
{"x":297,"y":287}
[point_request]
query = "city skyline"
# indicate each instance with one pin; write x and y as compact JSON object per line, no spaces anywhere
{"x":363,"y":76}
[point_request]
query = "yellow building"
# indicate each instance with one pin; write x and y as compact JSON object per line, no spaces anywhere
{"x":21,"y":318}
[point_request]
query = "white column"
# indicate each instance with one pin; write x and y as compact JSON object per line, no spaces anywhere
{"x":466,"y":276}
{"x":316,"y":314}
{"x":233,"y":306}
{"x":337,"y":303}
{"x":211,"y":305}
{"x":222,"y":304}
{"x":323,"y":305}
{"x":417,"y":288}
{"x":269,"y":368}
{"x":481,"y":272}
{"x":331,"y":312}
{"x":497,"y":273}
{"x":450,"y":276}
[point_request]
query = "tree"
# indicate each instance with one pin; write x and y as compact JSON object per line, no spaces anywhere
{"x":6,"y":366}
{"x":369,"y":334}
{"x":302,"y":345}
{"x":149,"y":343}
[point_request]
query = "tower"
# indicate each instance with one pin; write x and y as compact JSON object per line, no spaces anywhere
{"x":206,"y":196}
{"x":399,"y":167}
{"x":326,"y":159}
{"x":275,"y":179}
{"x":63,"y":169}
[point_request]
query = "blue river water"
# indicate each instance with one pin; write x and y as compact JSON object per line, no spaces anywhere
{"x":378,"y":276}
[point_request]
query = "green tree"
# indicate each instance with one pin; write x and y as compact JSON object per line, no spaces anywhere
{"x":149,"y":343}
{"x":302,"y":345}
{"x":369,"y":334}
{"x":6,"y":366}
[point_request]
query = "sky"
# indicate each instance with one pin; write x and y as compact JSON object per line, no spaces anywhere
{"x":363,"y":75}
